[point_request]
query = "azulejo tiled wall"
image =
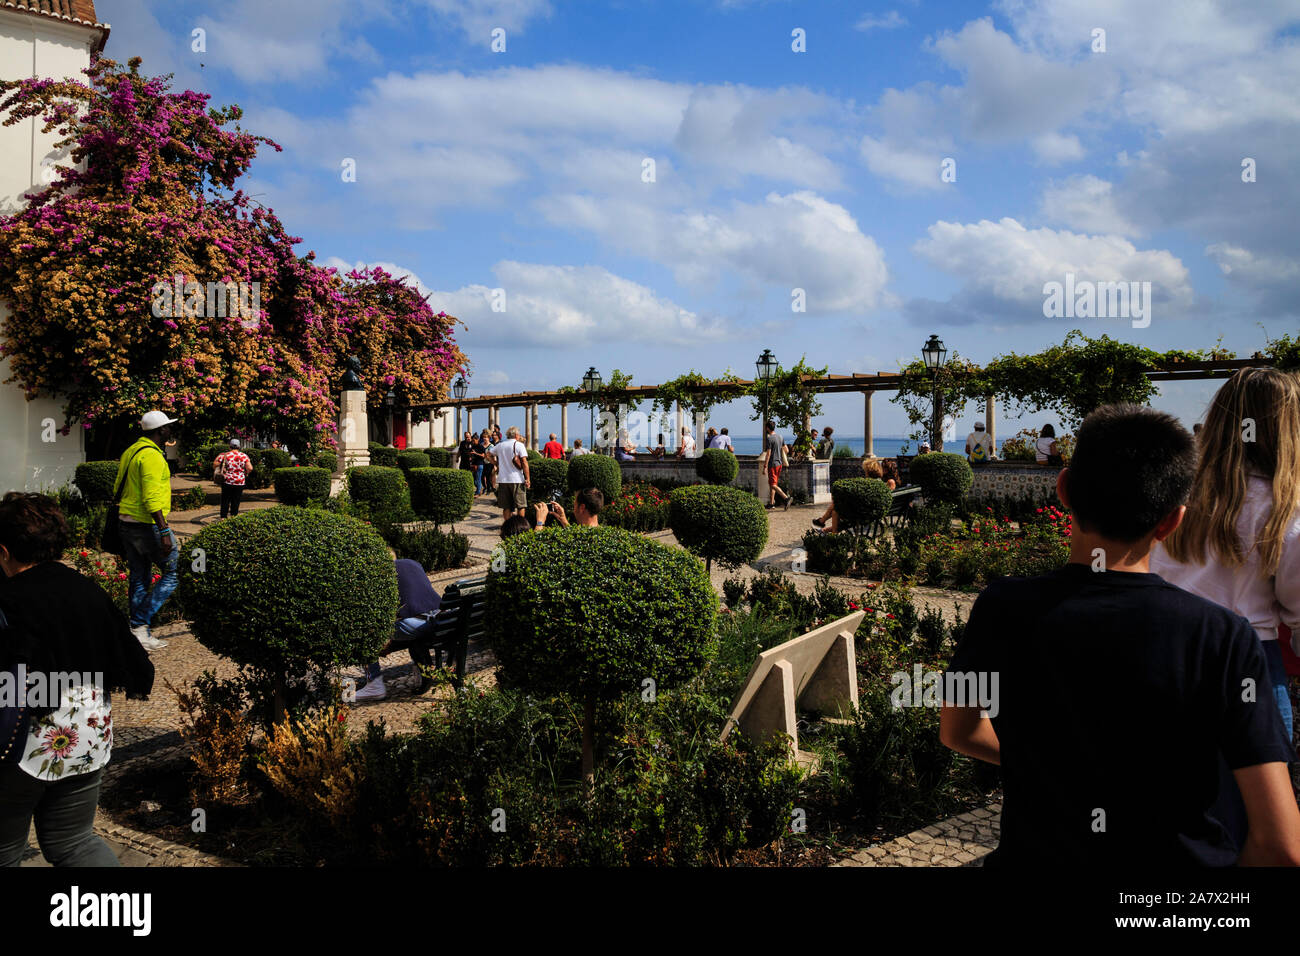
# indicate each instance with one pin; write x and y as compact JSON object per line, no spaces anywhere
{"x":1014,"y":481}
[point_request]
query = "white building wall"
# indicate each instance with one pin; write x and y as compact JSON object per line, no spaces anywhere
{"x":33,"y":46}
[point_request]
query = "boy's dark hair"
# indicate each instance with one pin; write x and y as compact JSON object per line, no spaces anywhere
{"x":828,"y":430}
{"x":723,"y":432}
{"x":593,"y":499}
{"x":32,"y":527}
{"x":770,"y":426}
{"x":515,"y":524}
{"x":1131,"y":466}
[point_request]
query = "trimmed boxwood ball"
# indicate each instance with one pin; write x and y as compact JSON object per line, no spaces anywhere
{"x":718,"y":523}
{"x":548,"y":475}
{"x":376,"y":485}
{"x":406,"y":460}
{"x":594,"y":611}
{"x":327,"y":460}
{"x":599,"y":470}
{"x":861,"y":502}
{"x":438,"y":457}
{"x":383,"y":455}
{"x":273,"y":458}
{"x":94,"y":479}
{"x":717,"y":466}
{"x":943,"y":477}
{"x":441,"y":495}
{"x":285,"y":589}
{"x":298,"y":486}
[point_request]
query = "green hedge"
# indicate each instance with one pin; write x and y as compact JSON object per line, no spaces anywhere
{"x":273,"y":459}
{"x":943,"y":477}
{"x":558,"y":626}
{"x":381,"y":492}
{"x":718,"y":523}
{"x":301,"y":486}
{"x":282,"y":589}
{"x":327,"y":460}
{"x":438,"y":457}
{"x":599,"y":470}
{"x":207,"y":455}
{"x":861,"y":502}
{"x":384,"y":456}
{"x":406,"y":460}
{"x":94,"y":479}
{"x":717,"y":466}
{"x":436,"y":550}
{"x":441,"y":495}
{"x":548,"y":475}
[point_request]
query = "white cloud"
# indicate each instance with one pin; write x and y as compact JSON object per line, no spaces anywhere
{"x":478,"y":18}
{"x":915,"y":165}
{"x":885,"y":21}
{"x":1271,"y":280}
{"x":790,"y":241}
{"x":1086,"y":203}
{"x":1055,"y":148}
{"x":1004,"y":266}
{"x":494,"y":377}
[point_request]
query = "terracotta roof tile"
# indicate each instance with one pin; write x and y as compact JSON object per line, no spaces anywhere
{"x":72,"y":11}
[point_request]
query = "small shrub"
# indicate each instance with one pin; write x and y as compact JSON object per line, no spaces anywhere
{"x":717,"y":522}
{"x":406,"y":460}
{"x":717,"y":466}
{"x":733,"y":592}
{"x":828,"y":553}
{"x":284,"y":590}
{"x":943,"y":477}
{"x":861,"y":502}
{"x":219,"y":731}
{"x":935,"y":572}
{"x":831,"y":602}
{"x":327,"y":460}
{"x":601,"y":471}
{"x":548,"y":476}
{"x":308,"y":764}
{"x":843,"y":451}
{"x":273,"y":458}
{"x":190,"y":500}
{"x":775,"y":595}
{"x":441,"y":495}
{"x":301,"y":486}
{"x":434,"y":549}
{"x":94,"y":479}
{"x":384,"y":456}
{"x":382,"y":492}
{"x":438,"y":457}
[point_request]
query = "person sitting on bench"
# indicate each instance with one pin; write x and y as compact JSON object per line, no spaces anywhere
{"x":420,"y":603}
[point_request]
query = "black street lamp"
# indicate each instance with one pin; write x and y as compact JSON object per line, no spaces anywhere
{"x":935,"y":355}
{"x":592,"y":383}
{"x":766,"y":366}
{"x":389,"y":399}
{"x":460,"y":389}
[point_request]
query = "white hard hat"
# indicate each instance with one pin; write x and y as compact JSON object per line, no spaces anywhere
{"x":152,"y":420}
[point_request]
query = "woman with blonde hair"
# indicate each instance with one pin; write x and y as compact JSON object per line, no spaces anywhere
{"x":872,"y":467}
{"x":1239,"y":543}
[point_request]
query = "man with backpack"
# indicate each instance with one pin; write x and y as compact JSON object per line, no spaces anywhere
{"x":144,"y":483}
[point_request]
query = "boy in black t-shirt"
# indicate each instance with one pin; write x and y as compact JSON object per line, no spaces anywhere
{"x":1122,"y":701}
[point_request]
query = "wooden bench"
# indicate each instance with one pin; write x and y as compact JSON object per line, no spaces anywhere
{"x":900,"y":512}
{"x":459,"y":621}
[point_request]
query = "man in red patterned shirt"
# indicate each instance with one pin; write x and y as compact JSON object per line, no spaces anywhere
{"x":231,"y":469}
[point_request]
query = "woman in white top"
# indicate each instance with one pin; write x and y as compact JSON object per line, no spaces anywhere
{"x":1239,"y":544}
{"x":1046,"y":452}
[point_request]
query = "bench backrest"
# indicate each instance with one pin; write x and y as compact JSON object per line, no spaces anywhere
{"x":462,"y":609}
{"x":903,"y":498}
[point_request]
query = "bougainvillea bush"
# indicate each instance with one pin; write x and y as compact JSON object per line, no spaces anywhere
{"x":112,"y":270}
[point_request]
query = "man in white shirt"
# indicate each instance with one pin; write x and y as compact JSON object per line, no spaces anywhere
{"x":724,"y":441}
{"x":513,"y":478}
{"x":978,"y":447}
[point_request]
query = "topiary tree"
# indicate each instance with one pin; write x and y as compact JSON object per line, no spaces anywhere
{"x":717,"y":466}
{"x":599,"y":470}
{"x":283,"y":590}
{"x":406,"y":460}
{"x":383,"y":491}
{"x":861,"y":502}
{"x":438,"y":457}
{"x":558,"y":627}
{"x":441,"y":495}
{"x":327,"y":460}
{"x":549,"y":475}
{"x":718,"y":522}
{"x":301,"y":486}
{"x":273,"y":458}
{"x":943,"y":477}
{"x":95,"y":479}
{"x":383,"y":455}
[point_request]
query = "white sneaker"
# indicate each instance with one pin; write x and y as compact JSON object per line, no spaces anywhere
{"x":147,"y":640}
{"x":374,"y":690}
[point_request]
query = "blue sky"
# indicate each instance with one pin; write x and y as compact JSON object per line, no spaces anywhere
{"x":774,"y":170}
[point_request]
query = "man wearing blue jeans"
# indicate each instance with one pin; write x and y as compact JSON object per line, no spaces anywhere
{"x":145,"y":482}
{"x":420,"y":602}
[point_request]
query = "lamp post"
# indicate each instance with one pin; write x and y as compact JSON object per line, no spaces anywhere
{"x":766,"y":366}
{"x":592,"y":383}
{"x":935,"y":355}
{"x":459,"y":388}
{"x":389,"y":399}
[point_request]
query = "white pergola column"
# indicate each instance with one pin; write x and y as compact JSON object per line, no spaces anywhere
{"x":990,"y":419}
{"x":564,"y":424}
{"x":469,"y":419}
{"x":868,"y":425}
{"x":534,"y":422}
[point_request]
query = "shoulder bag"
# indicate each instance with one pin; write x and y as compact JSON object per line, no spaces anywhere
{"x":111,"y":540}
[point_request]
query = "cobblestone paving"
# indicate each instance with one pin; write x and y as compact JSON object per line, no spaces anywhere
{"x":149,"y":730}
{"x":963,"y":840}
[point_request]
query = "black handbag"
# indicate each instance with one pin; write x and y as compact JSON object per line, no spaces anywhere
{"x":111,"y":540}
{"x":15,"y":720}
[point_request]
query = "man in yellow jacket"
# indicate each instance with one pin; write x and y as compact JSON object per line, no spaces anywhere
{"x":145,"y":483}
